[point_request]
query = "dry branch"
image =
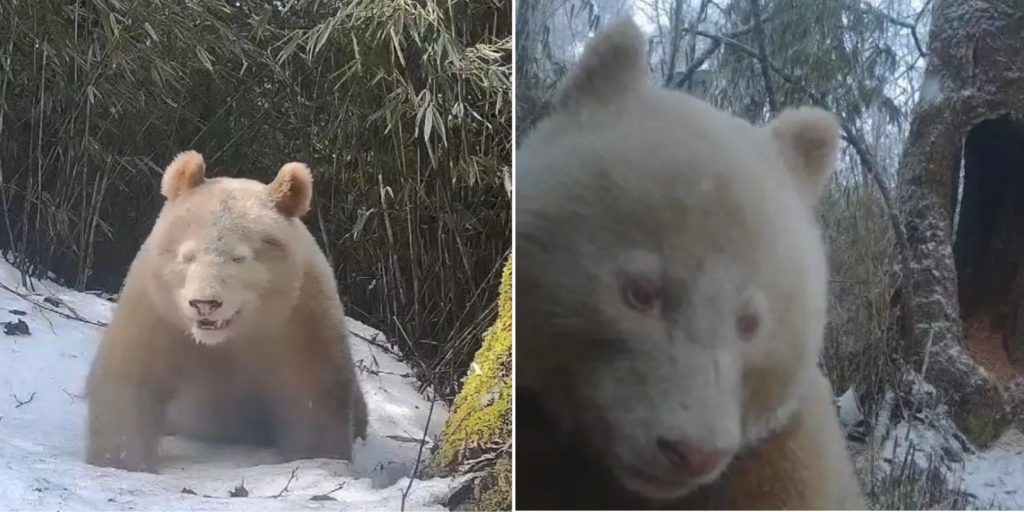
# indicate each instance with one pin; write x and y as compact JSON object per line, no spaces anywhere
{"x":286,"y":484}
{"x":419,"y":453}
{"x":762,"y":57}
{"x":699,"y":61}
{"x":713,"y":46}
{"x":866,"y":8}
{"x":73,"y":315}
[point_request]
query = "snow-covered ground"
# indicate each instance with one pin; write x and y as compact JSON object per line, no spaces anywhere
{"x":42,"y":440}
{"x":993,"y":478}
{"x":996,"y":475}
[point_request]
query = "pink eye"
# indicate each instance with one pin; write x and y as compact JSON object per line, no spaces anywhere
{"x":747,"y":325}
{"x":641,"y":295}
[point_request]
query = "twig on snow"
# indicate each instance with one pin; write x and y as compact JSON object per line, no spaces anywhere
{"x":239,"y":491}
{"x":72,"y":316}
{"x":419,"y":454}
{"x":375,"y":342}
{"x":21,"y":402}
{"x":327,"y":495}
{"x":286,"y":484}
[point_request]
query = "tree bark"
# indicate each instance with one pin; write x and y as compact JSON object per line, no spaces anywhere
{"x":975,"y":72}
{"x":477,"y":436}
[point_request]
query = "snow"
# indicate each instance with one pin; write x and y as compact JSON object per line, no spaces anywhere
{"x":931,"y":89}
{"x":997,"y":475}
{"x":993,"y":477}
{"x":849,"y":410}
{"x":42,"y":442}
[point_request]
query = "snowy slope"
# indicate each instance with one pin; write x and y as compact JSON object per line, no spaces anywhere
{"x":993,"y":478}
{"x":42,"y":441}
{"x":996,"y":475}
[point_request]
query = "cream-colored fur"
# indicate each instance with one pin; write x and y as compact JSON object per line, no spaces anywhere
{"x":671,"y":283}
{"x":229,"y":327}
{"x":801,"y":466}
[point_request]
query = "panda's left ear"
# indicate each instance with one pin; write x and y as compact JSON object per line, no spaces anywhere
{"x":808,"y":138}
{"x":186,"y":172}
{"x":292,"y":189}
{"x":613,"y":65}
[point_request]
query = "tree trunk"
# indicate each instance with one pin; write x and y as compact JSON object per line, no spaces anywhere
{"x":477,"y":437}
{"x":975,"y":74}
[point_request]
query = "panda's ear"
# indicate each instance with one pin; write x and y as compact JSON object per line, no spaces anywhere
{"x":292,"y":189}
{"x":808,"y":139}
{"x":186,"y":172}
{"x":614,"y":63}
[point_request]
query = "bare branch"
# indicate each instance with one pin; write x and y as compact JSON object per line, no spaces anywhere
{"x":750,"y":52}
{"x":716,"y":43}
{"x":691,"y":50}
{"x":762,"y":53}
{"x":698,"y":61}
{"x":866,"y":8}
{"x":676,"y":37}
{"x":73,"y":315}
{"x":677,"y":32}
{"x":286,"y":484}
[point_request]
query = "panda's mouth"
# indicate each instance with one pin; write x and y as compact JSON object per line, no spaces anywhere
{"x":209,"y":324}
{"x":213,"y":325}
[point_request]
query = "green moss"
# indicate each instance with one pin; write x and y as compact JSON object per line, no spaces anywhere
{"x":481,"y":418}
{"x":497,"y":487}
{"x":981,"y":426}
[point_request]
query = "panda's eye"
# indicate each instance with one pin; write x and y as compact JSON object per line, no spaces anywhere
{"x":641,"y":294}
{"x":747,"y":325}
{"x":238,"y":258}
{"x":273,"y":243}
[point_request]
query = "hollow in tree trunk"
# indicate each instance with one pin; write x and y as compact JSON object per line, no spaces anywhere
{"x":966,"y":250}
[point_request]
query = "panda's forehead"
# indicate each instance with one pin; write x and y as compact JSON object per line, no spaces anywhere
{"x":227,"y":216}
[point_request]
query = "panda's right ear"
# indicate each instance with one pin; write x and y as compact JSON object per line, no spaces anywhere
{"x":292,"y":189}
{"x":613,"y":64}
{"x":186,"y":172}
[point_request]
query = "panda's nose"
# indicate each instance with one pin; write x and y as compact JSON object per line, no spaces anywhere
{"x":205,"y":307}
{"x":692,"y":460}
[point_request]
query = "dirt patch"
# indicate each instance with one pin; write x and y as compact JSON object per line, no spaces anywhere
{"x":985,"y":345}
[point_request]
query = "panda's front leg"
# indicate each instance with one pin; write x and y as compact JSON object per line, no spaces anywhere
{"x":313,"y":417}
{"x":125,"y":424}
